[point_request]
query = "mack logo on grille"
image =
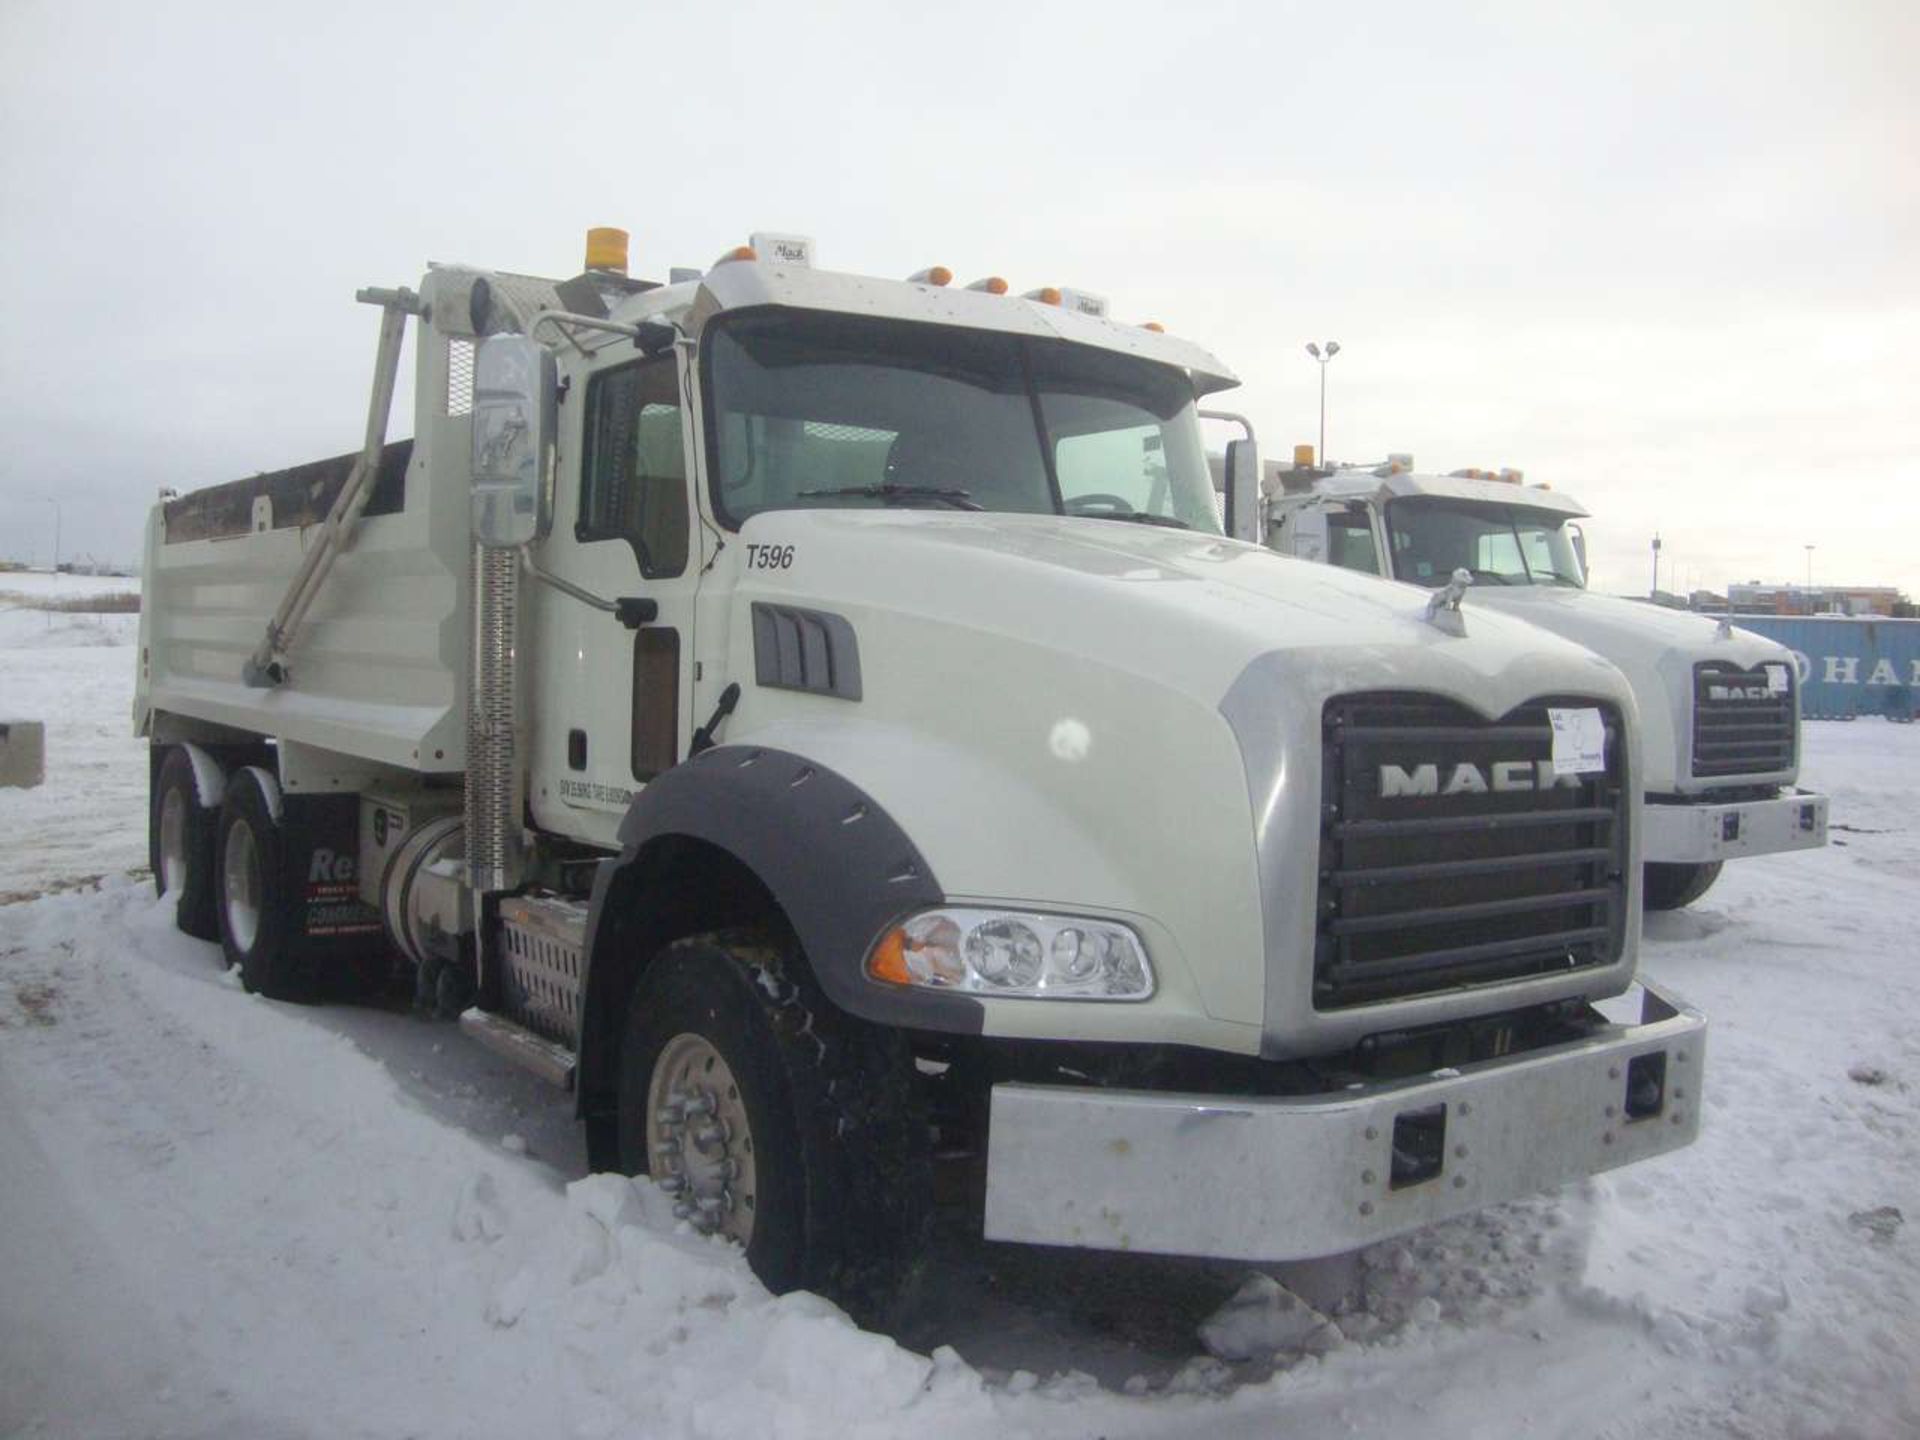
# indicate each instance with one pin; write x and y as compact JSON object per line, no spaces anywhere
{"x":1738,"y":692}
{"x":1501,"y":777}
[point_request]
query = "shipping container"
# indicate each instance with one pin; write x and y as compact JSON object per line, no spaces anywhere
{"x":1849,"y":666}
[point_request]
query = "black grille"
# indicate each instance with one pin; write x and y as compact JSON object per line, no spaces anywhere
{"x":1742,"y":725}
{"x":1481,"y":867}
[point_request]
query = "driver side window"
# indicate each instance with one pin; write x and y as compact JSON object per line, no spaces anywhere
{"x":633,"y":476}
{"x":1350,"y":542}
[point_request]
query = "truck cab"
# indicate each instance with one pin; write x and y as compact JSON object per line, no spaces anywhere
{"x":1718,"y":705}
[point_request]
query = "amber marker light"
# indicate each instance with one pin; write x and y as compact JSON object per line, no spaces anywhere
{"x":993,"y":285}
{"x":932,"y":275}
{"x":889,"y":959}
{"x":1155,"y":326}
{"x":1046,"y":295}
{"x":739,"y":252}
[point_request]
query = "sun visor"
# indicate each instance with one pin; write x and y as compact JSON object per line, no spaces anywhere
{"x":746,"y":284}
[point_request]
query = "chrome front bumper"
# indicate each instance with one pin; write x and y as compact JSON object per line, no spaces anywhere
{"x":1288,"y":1178}
{"x":1702,"y":833}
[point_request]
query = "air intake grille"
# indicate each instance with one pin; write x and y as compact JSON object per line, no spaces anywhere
{"x":811,"y":650}
{"x":1742,"y":721}
{"x":1450,"y":855}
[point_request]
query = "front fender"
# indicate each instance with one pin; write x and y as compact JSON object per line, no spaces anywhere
{"x":835,"y":864}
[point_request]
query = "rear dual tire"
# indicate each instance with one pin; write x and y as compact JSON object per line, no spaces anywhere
{"x":255,"y":905}
{"x":182,"y":833}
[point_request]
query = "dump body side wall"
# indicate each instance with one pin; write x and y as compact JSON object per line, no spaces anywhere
{"x":378,"y":670}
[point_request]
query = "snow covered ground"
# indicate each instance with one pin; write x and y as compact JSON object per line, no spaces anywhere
{"x":225,"y":1217}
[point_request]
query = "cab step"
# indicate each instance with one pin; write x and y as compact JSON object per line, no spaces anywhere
{"x":548,"y":1059}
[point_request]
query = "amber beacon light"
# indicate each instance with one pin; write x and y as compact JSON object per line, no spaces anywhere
{"x":607,"y":249}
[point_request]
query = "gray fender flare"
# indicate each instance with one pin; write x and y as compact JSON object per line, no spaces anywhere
{"x":839,"y":867}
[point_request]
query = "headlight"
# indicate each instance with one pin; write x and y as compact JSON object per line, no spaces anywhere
{"x":1014,"y":953}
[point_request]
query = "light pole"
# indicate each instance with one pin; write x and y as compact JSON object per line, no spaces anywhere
{"x":1809,"y":550}
{"x":1656,"y":565}
{"x":1325,"y":358}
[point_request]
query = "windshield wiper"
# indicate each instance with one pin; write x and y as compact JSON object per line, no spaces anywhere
{"x":1139,"y":517}
{"x":1503,"y":578}
{"x":958,"y":499}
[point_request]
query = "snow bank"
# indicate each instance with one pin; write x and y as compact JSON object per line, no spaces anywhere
{"x":75,"y":673}
{"x":25,"y":626}
{"x":227,"y":1217}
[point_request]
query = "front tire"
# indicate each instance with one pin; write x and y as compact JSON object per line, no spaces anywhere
{"x":256,"y":904}
{"x":180,"y":845}
{"x":774,"y":1119}
{"x":1671,"y":887}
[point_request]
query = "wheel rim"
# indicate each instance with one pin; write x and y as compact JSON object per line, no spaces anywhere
{"x":699,"y":1145}
{"x":241,"y":890}
{"x":173,"y":842}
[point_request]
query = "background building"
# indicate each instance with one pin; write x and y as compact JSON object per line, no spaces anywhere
{"x":1758,"y":598}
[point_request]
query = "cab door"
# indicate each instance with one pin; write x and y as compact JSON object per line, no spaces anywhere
{"x":611,"y":707}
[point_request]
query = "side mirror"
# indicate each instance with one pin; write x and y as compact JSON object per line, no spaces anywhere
{"x":513,"y":421}
{"x":1579,"y":539}
{"x":1243,"y":518}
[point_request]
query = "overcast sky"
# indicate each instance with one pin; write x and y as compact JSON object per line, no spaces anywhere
{"x":1666,"y":257}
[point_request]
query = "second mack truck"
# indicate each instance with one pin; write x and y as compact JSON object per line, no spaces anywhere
{"x":821,"y":719}
{"x":1719,"y":706}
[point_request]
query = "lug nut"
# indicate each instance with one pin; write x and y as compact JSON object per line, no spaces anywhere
{"x":699,"y":1104}
{"x":672,"y":1184}
{"x":708,"y":1136}
{"x":682,"y":1210}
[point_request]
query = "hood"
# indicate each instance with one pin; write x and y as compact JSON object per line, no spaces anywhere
{"x":1657,"y":649}
{"x":1097,"y":717}
{"x":1077,"y":715}
{"x":1589,"y":618}
{"x":1185,"y":609}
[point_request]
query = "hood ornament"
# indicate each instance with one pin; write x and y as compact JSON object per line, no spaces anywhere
{"x":1725,"y":628}
{"x":1443,"y":606}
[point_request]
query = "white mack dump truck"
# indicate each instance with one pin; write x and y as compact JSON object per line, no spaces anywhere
{"x":1719,"y":707}
{"x":820,"y":719}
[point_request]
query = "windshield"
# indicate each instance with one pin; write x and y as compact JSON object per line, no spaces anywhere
{"x":812,"y":410}
{"x":1496,"y":544}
